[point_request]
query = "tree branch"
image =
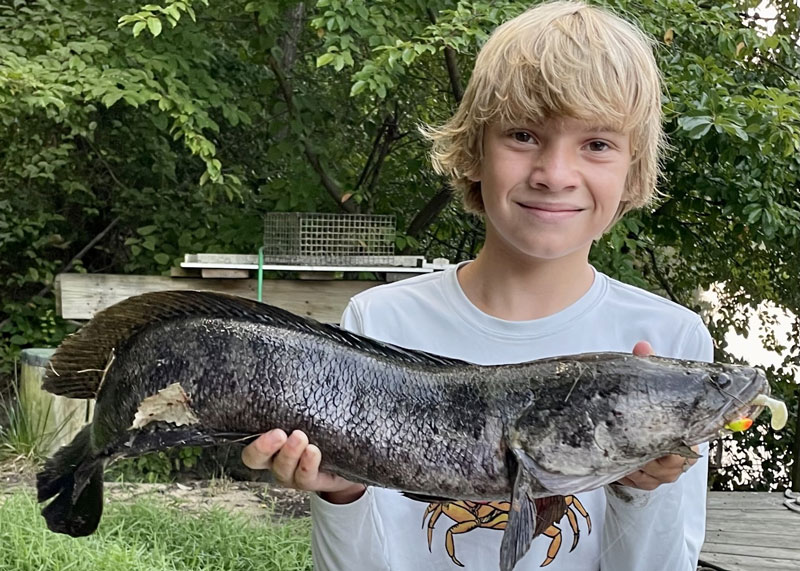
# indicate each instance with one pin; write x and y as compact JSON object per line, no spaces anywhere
{"x":368,"y":163}
{"x":105,"y":164}
{"x":430,"y":211}
{"x":453,"y":73}
{"x":294,"y":15}
{"x":661,"y":279}
{"x":388,"y":139}
{"x":451,"y":64}
{"x":771,"y":61}
{"x":333,"y":189}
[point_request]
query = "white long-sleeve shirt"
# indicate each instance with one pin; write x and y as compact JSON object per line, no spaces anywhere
{"x":662,"y":530}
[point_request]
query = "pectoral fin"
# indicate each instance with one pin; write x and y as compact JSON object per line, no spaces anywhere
{"x":686,"y":451}
{"x":521,"y":525}
{"x":426,"y":499}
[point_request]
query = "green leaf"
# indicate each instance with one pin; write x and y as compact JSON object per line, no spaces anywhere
{"x":110,"y":98}
{"x":691,"y":123}
{"x":138,"y":27}
{"x":699,"y":131}
{"x":154,"y":25}
{"x":173,"y":11}
{"x":755,"y":215}
{"x":162,"y":258}
{"x":325,"y":59}
{"x":358,"y":87}
{"x":146,"y":230}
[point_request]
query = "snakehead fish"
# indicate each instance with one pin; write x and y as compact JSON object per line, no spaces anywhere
{"x":201,"y":368}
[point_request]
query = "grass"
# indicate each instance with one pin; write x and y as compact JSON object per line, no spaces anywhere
{"x":149,"y":536}
{"x":22,"y":437}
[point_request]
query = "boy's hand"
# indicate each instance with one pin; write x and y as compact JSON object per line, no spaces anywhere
{"x":295,"y":464}
{"x":662,"y":470}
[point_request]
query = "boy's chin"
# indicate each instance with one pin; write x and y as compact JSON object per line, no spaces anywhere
{"x":552,"y":253}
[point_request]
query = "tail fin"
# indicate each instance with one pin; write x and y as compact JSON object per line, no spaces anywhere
{"x":75,"y":477}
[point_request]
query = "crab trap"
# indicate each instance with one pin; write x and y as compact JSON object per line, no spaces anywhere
{"x":329,"y":239}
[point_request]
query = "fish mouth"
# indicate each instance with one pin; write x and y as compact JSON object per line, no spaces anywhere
{"x":745,"y":407}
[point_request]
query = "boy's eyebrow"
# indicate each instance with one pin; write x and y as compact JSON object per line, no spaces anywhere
{"x":603,"y":129}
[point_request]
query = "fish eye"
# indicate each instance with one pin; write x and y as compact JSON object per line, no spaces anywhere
{"x":722,"y":380}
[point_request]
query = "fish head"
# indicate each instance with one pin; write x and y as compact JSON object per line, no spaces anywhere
{"x":621,"y":415}
{"x":721,"y":396}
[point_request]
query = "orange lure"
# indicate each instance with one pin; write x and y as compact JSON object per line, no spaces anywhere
{"x":740,"y":425}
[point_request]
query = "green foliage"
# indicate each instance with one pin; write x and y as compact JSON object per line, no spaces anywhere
{"x":162,"y":466}
{"x":150,"y":536}
{"x":21,"y":437}
{"x":187,"y":120}
{"x":26,"y":437}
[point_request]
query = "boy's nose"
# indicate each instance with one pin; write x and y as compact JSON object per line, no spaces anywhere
{"x":554,"y":168}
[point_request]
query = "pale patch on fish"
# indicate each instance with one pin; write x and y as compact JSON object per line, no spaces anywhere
{"x":170,"y":404}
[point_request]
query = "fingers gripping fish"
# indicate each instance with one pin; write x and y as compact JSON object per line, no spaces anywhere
{"x":202,"y":368}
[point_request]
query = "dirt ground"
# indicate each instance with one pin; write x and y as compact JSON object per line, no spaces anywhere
{"x":254,"y":499}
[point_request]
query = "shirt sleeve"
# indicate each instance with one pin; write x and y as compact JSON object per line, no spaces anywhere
{"x":334,"y":526}
{"x":666,"y":525}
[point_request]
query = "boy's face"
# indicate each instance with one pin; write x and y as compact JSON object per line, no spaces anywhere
{"x":549,"y":189}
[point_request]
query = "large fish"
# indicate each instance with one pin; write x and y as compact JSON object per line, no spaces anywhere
{"x":199,"y":368}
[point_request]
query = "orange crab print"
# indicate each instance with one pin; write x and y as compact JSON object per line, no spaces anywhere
{"x":469,"y":515}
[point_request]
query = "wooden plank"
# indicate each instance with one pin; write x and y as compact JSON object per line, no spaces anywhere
{"x":751,"y":530}
{"x":754,"y":517}
{"x":178,"y":272}
{"x":745,"y":500}
{"x":754,"y":551}
{"x":397,"y":276}
{"x":775,"y":537}
{"x":82,"y":295}
{"x":723,"y":497}
{"x":776,"y":525}
{"x":742,"y":563}
{"x":316,"y":275}
{"x":210,"y":273}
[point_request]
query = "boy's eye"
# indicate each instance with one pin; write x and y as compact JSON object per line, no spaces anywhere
{"x":598,"y":146}
{"x":522,"y":136}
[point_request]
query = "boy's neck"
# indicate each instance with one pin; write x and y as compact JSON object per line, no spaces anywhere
{"x":521,"y":290}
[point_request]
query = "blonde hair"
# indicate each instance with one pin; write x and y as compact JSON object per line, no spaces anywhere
{"x":559,"y":59}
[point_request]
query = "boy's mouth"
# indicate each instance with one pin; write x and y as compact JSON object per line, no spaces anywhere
{"x":550,"y":211}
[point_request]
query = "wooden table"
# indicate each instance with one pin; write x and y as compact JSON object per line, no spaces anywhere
{"x":749,"y":531}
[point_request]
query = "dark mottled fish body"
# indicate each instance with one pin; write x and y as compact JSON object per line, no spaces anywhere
{"x":230,"y":368}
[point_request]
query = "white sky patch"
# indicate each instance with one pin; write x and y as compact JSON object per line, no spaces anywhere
{"x":768,"y":319}
{"x":767,"y":12}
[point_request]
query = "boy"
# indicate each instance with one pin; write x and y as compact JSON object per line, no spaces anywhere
{"x":558,"y":135}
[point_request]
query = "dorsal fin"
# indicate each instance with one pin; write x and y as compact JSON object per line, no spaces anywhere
{"x":78,"y":365}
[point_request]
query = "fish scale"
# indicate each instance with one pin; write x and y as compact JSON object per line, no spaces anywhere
{"x":200,"y":368}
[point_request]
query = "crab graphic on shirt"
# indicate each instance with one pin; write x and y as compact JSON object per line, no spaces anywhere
{"x":469,"y":515}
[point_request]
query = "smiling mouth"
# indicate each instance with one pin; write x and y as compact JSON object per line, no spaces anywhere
{"x":551,"y":207}
{"x":550,"y":212}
